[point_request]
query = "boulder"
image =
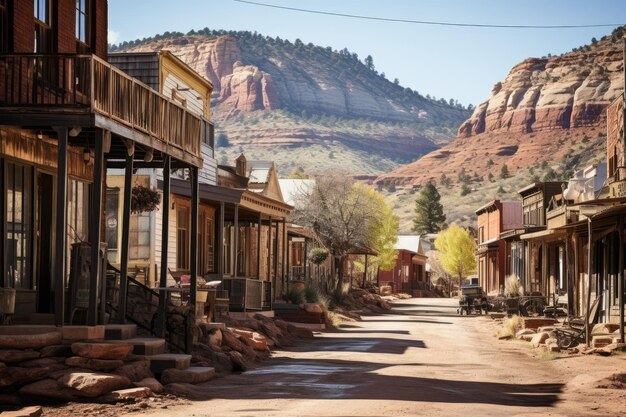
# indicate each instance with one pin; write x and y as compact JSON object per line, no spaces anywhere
{"x":102,"y":350}
{"x":553,"y":347}
{"x":51,"y":362}
{"x":524,"y":332}
{"x":193,"y":375}
{"x":313,"y":308}
{"x":232,"y":341}
{"x":239,"y":363}
{"x":601,"y":341}
{"x":17,"y":375}
{"x":129,"y":393}
{"x":104,"y":365}
{"x":136,"y":370}
{"x":222,"y":363}
{"x":47,"y":389}
{"x":30,"y":341}
{"x":151,"y":383}
{"x":539,"y":339}
{"x":15,"y":355}
{"x":56,"y":350}
{"x":603,"y":328}
{"x":527,"y":337}
{"x":10,"y":399}
{"x":34,"y":411}
{"x":93,"y":384}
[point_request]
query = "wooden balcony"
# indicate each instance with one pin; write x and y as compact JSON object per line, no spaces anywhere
{"x":86,"y":91}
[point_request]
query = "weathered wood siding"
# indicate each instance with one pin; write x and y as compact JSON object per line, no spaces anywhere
{"x":144,"y":67}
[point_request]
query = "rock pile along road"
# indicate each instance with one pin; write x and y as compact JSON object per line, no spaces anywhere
{"x":422,"y":359}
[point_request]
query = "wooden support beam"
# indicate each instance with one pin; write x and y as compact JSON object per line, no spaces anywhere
{"x":161,"y":322}
{"x":269,"y":250}
{"x":236,"y":241}
{"x":193,"y":171}
{"x":61,"y":226}
{"x":258,"y":249}
{"x":306,"y":260}
{"x":128,"y":183}
{"x":365,"y":272}
{"x":620,"y":285}
{"x":220,"y":241}
{"x":94,"y":228}
{"x":276,"y":234}
{"x":589,"y":269}
{"x":284,"y":256}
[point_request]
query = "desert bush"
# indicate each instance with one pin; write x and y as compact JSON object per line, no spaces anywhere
{"x":512,"y":286}
{"x":510,"y":326}
{"x":294,"y":296}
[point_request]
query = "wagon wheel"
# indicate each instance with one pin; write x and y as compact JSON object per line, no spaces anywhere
{"x":565,"y":340}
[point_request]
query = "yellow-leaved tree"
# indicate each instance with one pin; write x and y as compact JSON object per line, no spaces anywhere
{"x":457,"y":250}
{"x":383,"y":230}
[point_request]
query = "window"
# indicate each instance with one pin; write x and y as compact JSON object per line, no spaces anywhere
{"x":43,"y":31}
{"x":139,"y":237}
{"x":182,"y":234}
{"x":18,"y":217}
{"x":77,"y":215}
{"x":206,"y":237}
{"x":82,"y":21}
{"x":4,"y":27}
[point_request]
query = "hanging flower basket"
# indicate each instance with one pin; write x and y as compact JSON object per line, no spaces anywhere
{"x":144,"y":199}
{"x":318,"y":255}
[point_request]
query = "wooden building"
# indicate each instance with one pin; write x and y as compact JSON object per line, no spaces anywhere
{"x":66,"y":115}
{"x":493,"y":219}
{"x":409,"y":273}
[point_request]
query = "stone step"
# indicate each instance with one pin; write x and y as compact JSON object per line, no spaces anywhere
{"x":147,"y":346}
{"x":74,"y":333}
{"x":159,"y":363}
{"x":120,"y":331}
{"x":191,"y":375}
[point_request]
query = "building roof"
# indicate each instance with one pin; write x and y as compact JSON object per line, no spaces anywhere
{"x":259,"y":171}
{"x":409,"y":243}
{"x":293,"y":188}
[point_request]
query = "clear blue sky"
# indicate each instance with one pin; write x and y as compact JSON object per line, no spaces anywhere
{"x":449,"y":62}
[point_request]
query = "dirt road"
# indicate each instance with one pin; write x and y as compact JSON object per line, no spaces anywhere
{"x":421,"y":360}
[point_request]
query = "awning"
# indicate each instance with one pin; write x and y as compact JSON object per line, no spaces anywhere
{"x":555,"y":233}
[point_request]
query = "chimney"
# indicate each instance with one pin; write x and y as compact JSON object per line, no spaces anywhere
{"x":241,"y":166}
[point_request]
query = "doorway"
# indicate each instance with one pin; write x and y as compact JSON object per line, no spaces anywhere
{"x":44,"y":236}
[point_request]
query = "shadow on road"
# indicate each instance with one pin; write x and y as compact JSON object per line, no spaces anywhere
{"x":369,"y":345}
{"x":334,"y":379}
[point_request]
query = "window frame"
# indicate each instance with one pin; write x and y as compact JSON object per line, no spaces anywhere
{"x":43,"y":28}
{"x":84,"y":23}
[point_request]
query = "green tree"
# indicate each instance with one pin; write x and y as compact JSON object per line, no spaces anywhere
{"x":490,"y":177}
{"x":369,"y":63}
{"x":465,"y":190}
{"x":504,"y":172}
{"x":222,"y":141}
{"x":384,"y":231}
{"x":429,"y":217}
{"x":490,"y":162}
{"x":445,"y":181}
{"x":457,"y":250}
{"x":464,"y":178}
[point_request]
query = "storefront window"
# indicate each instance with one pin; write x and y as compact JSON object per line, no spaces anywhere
{"x":18,"y":181}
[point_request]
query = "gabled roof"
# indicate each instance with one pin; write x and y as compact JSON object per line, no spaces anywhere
{"x":292,"y":189}
{"x":259,"y":171}
{"x":410,"y":243}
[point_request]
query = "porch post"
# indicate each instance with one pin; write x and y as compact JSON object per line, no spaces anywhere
{"x":365,"y":271}
{"x":258,"y":250}
{"x":283,"y":269}
{"x":620,"y":286}
{"x":269,"y":249}
{"x":94,"y":229}
{"x":165,"y":222}
{"x":306,"y":259}
{"x":236,"y":240}
{"x":193,"y":171}
{"x":276,"y":255}
{"x":589,"y":260}
{"x":220,"y":242}
{"x":61,"y":225}
{"x":128,"y":178}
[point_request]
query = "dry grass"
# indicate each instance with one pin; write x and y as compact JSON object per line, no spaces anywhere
{"x":510,"y":326}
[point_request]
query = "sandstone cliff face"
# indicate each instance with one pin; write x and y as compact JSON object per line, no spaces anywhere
{"x":256,"y":73}
{"x":541,"y":109}
{"x":563,"y":92}
{"x":236,"y":87}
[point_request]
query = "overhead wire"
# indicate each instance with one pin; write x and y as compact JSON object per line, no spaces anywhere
{"x":428,"y":22}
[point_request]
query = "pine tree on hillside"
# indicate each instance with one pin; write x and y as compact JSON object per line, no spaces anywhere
{"x":429,"y":217}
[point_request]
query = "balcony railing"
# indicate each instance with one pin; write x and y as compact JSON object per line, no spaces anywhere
{"x":86,"y":83}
